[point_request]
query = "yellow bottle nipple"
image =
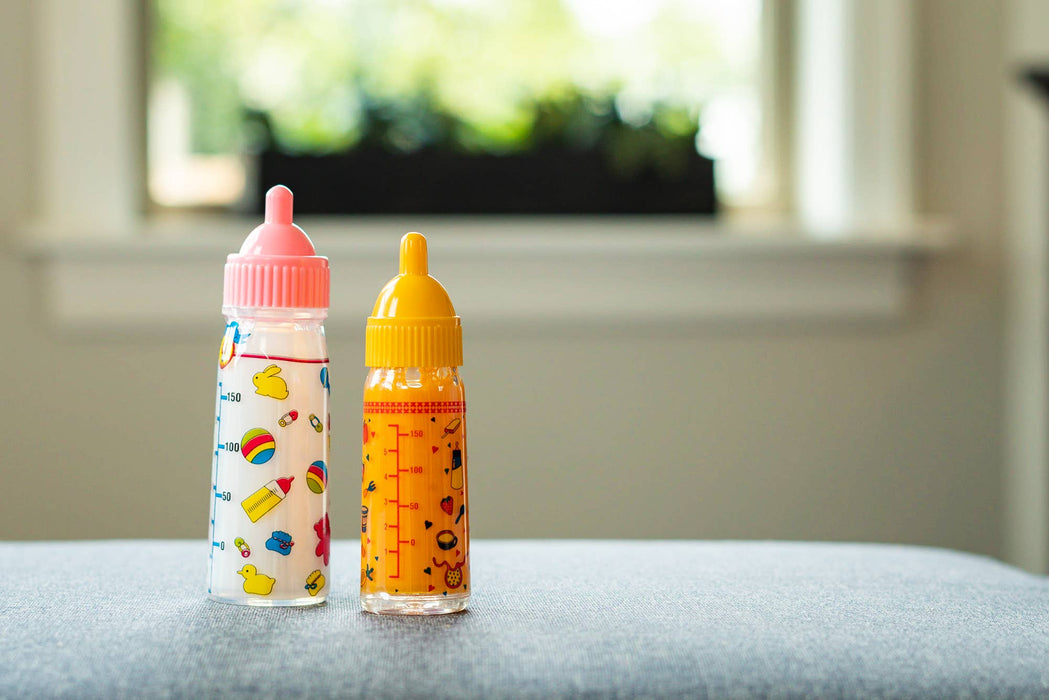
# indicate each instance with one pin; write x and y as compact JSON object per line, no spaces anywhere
{"x":413,"y":254}
{"x":413,"y":323}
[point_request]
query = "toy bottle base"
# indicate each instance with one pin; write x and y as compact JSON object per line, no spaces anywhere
{"x":265,"y":603}
{"x":386,"y":604}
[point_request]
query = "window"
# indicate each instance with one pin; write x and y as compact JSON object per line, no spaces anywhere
{"x":96,"y":245}
{"x":455,"y":106}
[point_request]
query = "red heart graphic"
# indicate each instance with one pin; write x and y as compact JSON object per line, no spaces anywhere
{"x":434,"y":448}
{"x":431,"y":587}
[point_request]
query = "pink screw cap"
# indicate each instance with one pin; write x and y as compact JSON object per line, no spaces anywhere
{"x":277,"y":266}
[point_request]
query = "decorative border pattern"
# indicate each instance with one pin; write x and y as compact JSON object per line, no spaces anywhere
{"x":415,"y":407}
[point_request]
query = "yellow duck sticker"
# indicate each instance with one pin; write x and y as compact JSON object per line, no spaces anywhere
{"x":267,"y":383}
{"x":256,"y":583}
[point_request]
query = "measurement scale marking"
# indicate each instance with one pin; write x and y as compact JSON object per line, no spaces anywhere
{"x":397,"y":492}
{"x":214,"y":484}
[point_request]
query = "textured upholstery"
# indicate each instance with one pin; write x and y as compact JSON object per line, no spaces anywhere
{"x":547,"y":619}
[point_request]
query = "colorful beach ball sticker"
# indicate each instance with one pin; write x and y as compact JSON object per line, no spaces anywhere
{"x":257,"y":446}
{"x":317,"y":476}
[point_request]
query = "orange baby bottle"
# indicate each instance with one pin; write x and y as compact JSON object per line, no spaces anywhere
{"x":415,"y":534}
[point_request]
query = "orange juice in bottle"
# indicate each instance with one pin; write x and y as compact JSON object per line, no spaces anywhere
{"x":415,"y":535}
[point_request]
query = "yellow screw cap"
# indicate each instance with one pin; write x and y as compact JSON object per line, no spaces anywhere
{"x":413,"y":323}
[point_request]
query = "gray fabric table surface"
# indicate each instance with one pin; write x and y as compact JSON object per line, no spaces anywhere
{"x":547,"y":619}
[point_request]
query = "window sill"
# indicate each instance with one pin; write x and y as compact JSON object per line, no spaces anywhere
{"x":555,"y":272}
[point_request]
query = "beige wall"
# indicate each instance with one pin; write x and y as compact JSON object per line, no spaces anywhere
{"x":885,"y":432}
{"x":1026,"y":219}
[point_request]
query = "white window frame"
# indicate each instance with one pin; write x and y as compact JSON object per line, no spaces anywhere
{"x":825,"y":263}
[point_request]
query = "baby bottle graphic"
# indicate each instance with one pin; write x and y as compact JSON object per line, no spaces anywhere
{"x":269,"y":508}
{"x":415,"y":536}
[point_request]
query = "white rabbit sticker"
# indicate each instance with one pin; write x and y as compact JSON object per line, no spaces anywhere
{"x":267,"y":383}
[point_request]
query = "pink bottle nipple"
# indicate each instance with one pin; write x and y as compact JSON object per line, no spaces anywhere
{"x":277,"y":267}
{"x":278,"y":235}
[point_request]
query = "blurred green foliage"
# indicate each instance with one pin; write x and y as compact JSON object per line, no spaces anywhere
{"x":316,"y":76}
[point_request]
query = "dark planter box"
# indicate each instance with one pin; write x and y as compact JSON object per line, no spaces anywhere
{"x":373,"y":181}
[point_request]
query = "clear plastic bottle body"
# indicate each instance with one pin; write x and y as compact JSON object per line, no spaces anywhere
{"x":415,"y":534}
{"x":271,"y":535}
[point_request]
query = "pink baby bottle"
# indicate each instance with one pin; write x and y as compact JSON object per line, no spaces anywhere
{"x":270,"y":534}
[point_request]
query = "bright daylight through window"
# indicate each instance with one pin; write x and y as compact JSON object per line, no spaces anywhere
{"x":456,"y":106}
